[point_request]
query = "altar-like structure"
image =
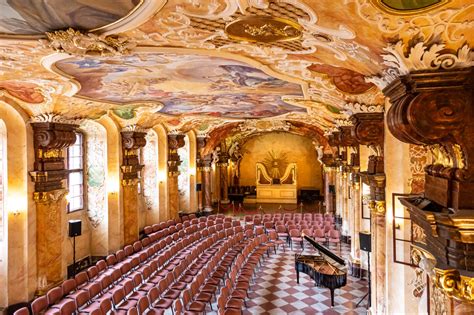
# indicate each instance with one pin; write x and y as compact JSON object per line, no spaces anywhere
{"x":273,"y":189}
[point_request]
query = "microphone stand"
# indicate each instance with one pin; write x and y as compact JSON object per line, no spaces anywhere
{"x":368,"y":294}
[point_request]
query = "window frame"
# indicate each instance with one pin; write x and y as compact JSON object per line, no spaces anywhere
{"x":78,"y":170}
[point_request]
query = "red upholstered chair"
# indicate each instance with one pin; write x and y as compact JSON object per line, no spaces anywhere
{"x":22,"y":311}
{"x":335,"y":237}
{"x":269,"y":226}
{"x":132,"y":311}
{"x":295,"y":236}
{"x":39,"y":305}
{"x":276,"y":240}
{"x":68,"y":308}
{"x":282,"y":231}
{"x":319,"y":236}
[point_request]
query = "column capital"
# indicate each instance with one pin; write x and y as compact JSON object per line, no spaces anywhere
{"x":132,"y":141}
{"x":49,"y":140}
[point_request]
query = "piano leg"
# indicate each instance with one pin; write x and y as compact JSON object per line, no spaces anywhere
{"x":332,"y":297}
{"x":297,"y":276}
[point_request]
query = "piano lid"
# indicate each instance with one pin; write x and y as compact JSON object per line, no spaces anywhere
{"x":325,"y":251}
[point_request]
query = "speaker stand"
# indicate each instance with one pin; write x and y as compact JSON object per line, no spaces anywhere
{"x":368,"y":294}
{"x":74,"y":256}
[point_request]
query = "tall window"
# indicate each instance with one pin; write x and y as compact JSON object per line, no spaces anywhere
{"x":75,"y":165}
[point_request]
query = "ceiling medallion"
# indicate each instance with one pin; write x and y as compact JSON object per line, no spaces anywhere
{"x":264,"y":29}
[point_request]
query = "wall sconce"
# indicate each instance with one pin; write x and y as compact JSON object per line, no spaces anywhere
{"x":17,"y":204}
{"x":397,"y":226}
{"x":192,"y":171}
{"x":161,"y":177}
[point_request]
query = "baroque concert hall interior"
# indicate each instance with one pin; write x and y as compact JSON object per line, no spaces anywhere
{"x":236,"y":157}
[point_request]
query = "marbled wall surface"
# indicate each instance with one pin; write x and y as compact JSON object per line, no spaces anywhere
{"x":49,"y":222}
{"x":130,"y":213}
{"x":173,"y":197}
{"x":299,"y":149}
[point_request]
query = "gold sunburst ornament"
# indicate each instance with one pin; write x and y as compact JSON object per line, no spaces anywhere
{"x":265,"y":29}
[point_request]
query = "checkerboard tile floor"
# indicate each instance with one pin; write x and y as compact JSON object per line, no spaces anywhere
{"x":275,"y":291}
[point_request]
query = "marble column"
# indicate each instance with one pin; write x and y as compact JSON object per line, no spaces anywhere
{"x":338,"y":192}
{"x":345,"y":203}
{"x":132,"y":142}
{"x":356,"y":212}
{"x":175,"y":141}
{"x":224,"y":194}
{"x":173,"y":196}
{"x":206,"y":183}
{"x":130,"y":211}
{"x":50,"y":142}
{"x":378,"y":256}
{"x":329,"y":195}
{"x":50,"y":212}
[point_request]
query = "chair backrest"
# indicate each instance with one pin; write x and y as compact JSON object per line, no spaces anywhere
{"x":81,"y":278}
{"x":101,"y":265}
{"x":118,"y":296}
{"x":111,"y":260}
{"x":68,"y":286}
{"x":178,"y":307}
{"x":319,"y":233}
{"x":22,"y":311}
{"x":82,"y":298}
{"x":128,"y":287}
{"x":95,"y":289}
{"x":68,"y":308}
{"x":132,"y":311}
{"x":105,"y":306}
{"x":153,"y":295}
{"x":307,"y":232}
{"x":92,"y":272}
{"x":295,"y":233}
{"x":54,"y":295}
{"x":334,"y":234}
{"x":143,"y":304}
{"x":39,"y":305}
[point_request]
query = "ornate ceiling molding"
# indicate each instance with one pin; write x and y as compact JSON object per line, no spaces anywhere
{"x":402,"y":59}
{"x":55,"y":118}
{"x":75,"y":42}
{"x":355,"y":108}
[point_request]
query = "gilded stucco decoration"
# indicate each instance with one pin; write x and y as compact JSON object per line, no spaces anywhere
{"x":402,"y":58}
{"x":75,"y":42}
{"x":419,"y":158}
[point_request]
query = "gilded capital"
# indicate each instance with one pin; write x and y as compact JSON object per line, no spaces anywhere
{"x":377,"y":207}
{"x":129,"y":181}
{"x":48,"y":197}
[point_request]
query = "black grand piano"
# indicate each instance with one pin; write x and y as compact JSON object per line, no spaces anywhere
{"x":327,"y":269}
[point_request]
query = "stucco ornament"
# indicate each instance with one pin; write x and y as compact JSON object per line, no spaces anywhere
{"x":75,"y":42}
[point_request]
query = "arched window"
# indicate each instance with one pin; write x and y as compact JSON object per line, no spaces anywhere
{"x":75,"y":167}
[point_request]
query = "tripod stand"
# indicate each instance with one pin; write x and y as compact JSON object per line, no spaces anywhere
{"x":368,"y":294}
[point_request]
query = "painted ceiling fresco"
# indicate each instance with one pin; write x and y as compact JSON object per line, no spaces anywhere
{"x":184,"y":84}
{"x":32,"y":17}
{"x":185,"y":69}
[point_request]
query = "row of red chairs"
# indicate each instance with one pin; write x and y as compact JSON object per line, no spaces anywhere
{"x":100,"y":277}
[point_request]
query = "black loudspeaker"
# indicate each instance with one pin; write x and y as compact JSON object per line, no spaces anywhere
{"x":75,"y":228}
{"x":198,"y":187}
{"x":332,"y":189}
{"x":365,"y":242}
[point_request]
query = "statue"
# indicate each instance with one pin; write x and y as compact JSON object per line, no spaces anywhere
{"x":216,"y":154}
